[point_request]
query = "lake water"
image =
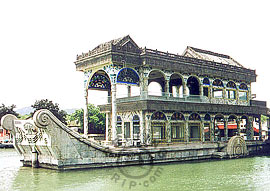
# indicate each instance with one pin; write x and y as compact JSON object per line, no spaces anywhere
{"x":237,"y":174}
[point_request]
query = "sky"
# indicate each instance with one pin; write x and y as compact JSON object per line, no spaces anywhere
{"x":39,"y":40}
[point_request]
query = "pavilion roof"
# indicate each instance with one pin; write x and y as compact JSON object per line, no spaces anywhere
{"x":210,"y":56}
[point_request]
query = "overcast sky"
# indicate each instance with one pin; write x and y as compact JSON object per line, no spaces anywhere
{"x":39,"y":40}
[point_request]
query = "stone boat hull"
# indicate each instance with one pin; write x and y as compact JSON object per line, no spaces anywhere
{"x":46,"y":142}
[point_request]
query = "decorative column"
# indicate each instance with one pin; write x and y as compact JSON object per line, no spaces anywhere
{"x":167,"y":86}
{"x":129,"y":90}
{"x":268,"y":128}
{"x":114,"y":112}
{"x":148,"y":135}
{"x":260,"y":128}
{"x":107,"y":126}
{"x":85,"y":117}
{"x":169,"y":129}
{"x":177,"y":91}
{"x":186,"y":128}
{"x":212,"y":128}
{"x":185,"y":87}
{"x":202,"y":129}
{"x":226,"y":128}
{"x":201,"y":89}
{"x":143,"y":84}
{"x":238,"y":127}
{"x":249,"y":129}
{"x":142,"y":127}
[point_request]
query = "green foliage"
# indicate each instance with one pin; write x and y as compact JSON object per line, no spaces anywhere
{"x":54,"y":108}
{"x":7,"y":110}
{"x":263,"y":118}
{"x":96,"y":120}
{"x":26,"y":116}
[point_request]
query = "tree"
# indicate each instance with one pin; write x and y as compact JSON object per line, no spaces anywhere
{"x":54,"y":108}
{"x":96,"y":120}
{"x":8,"y":110}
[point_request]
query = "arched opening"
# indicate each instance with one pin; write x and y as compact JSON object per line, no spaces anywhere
{"x":99,"y":88}
{"x":219,"y":132}
{"x":156,"y":83}
{"x":244,"y":127}
{"x":176,"y":85}
{"x":193,"y":86}
{"x":232,"y":126}
{"x":194,"y":127}
{"x":158,"y":127}
{"x":178,"y":127}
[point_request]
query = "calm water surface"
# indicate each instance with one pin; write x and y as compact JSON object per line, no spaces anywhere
{"x":237,"y":174}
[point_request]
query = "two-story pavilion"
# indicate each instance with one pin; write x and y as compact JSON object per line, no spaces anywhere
{"x":169,"y":97}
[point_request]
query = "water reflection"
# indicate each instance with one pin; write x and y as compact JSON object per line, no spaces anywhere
{"x":237,"y":174}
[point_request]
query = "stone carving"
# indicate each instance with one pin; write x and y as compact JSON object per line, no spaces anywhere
{"x":237,"y":147}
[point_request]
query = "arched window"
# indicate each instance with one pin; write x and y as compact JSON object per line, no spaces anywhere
{"x":207,"y":117}
{"x":100,"y":81}
{"x":128,"y":76}
{"x":206,"y":81}
{"x":178,"y":116}
{"x":158,"y":116}
{"x":177,"y":127}
{"x":243,"y":93}
{"x":218,"y":83}
{"x":119,"y":125}
{"x":158,"y":126}
{"x":243,"y":86}
{"x":136,"y":127}
{"x":217,"y":88}
{"x":231,"y":91}
{"x":231,"y":84}
{"x":194,"y":117}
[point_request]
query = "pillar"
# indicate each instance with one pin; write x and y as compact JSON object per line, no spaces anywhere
{"x":186,"y":129}
{"x":260,"y":128}
{"x":144,"y":86}
{"x":185,"y":87}
{"x":85,"y":117}
{"x":202,"y":130}
{"x":169,"y":129}
{"x":177,"y":91}
{"x":201,"y":89}
{"x":212,"y":129}
{"x":226,"y":128}
{"x":268,"y":128}
{"x":238,"y":127}
{"x":167,"y":87}
{"x":250,"y":131}
{"x":107,"y":126}
{"x":114,"y":112}
{"x":129,"y":91}
{"x":148,"y":134}
{"x":142,"y":128}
